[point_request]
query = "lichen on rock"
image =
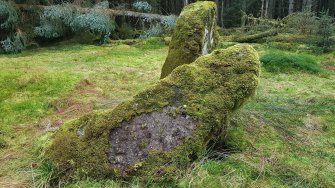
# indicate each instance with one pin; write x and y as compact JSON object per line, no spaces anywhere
{"x":164,"y":128}
{"x":195,"y":34}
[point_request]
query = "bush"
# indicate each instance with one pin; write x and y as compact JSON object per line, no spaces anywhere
{"x":166,"y":25}
{"x":142,"y":6}
{"x":274,"y":61}
{"x":169,"y":22}
{"x":11,"y":39}
{"x":95,"y":22}
{"x":153,"y":31}
{"x":325,"y":32}
{"x":56,"y":21}
{"x":301,"y":22}
{"x":102,"y":5}
{"x":8,"y":16}
{"x":14,"y":44}
{"x":59,"y":20}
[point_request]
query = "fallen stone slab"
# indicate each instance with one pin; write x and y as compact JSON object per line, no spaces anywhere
{"x":163,"y":129}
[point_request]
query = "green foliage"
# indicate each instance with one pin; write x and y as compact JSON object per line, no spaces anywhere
{"x":301,"y":22}
{"x":142,"y":6}
{"x":169,"y":22}
{"x":14,"y":44}
{"x":95,"y":22}
{"x":102,"y":5}
{"x":276,"y":61}
{"x":8,"y":16}
{"x":154,"y":31}
{"x":325,"y":32}
{"x":166,"y":25}
{"x":56,"y":21}
{"x":60,"y":20}
{"x":11,"y":39}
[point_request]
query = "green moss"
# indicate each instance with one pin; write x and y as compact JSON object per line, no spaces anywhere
{"x":188,"y":39}
{"x":209,"y":91}
{"x":236,"y":138}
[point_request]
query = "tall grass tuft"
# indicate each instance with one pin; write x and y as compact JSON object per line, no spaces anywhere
{"x":275,"y":61}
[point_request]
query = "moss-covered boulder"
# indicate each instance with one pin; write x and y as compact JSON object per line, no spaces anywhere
{"x":164,"y":128}
{"x":194,"y":35}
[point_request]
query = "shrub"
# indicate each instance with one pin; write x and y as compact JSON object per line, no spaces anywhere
{"x":95,"y":22}
{"x":11,"y":40}
{"x":56,"y":21}
{"x":102,"y":5}
{"x":153,"y":31}
{"x":14,"y":44}
{"x":325,"y":32}
{"x":59,"y":20}
{"x":302,"y":22}
{"x":8,"y":16}
{"x":274,"y":61}
{"x":166,"y":25}
{"x":169,"y":22}
{"x":142,"y":6}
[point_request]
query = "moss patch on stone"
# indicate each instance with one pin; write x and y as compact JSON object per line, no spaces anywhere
{"x":203,"y":94}
{"x":195,"y":35}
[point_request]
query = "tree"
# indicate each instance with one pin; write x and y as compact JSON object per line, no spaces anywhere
{"x":325,"y":32}
{"x":291,"y":7}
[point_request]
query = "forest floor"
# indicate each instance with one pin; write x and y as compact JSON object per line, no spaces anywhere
{"x":284,"y":136}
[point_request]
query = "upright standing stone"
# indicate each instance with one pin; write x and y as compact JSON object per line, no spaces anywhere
{"x":163,"y":129}
{"x":195,"y":35}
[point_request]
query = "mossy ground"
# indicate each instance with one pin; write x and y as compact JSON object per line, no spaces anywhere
{"x":283,"y":137}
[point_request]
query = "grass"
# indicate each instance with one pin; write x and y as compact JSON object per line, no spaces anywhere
{"x":278,"y":61}
{"x":289,"y":128}
{"x":40,"y":89}
{"x":284,"y":137}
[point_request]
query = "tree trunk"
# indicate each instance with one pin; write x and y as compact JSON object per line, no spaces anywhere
{"x":266,"y":14}
{"x":222,"y":5}
{"x":262,"y":9}
{"x":307,"y":5}
{"x":291,"y":7}
{"x":244,"y":16}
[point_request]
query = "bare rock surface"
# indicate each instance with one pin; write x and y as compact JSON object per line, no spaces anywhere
{"x":160,"y":131}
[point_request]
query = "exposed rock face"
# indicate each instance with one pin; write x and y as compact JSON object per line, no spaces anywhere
{"x":164,"y":128}
{"x":195,"y":35}
{"x":133,"y":140}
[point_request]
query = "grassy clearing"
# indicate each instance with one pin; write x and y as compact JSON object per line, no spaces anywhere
{"x":40,"y":89}
{"x":285,"y":136}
